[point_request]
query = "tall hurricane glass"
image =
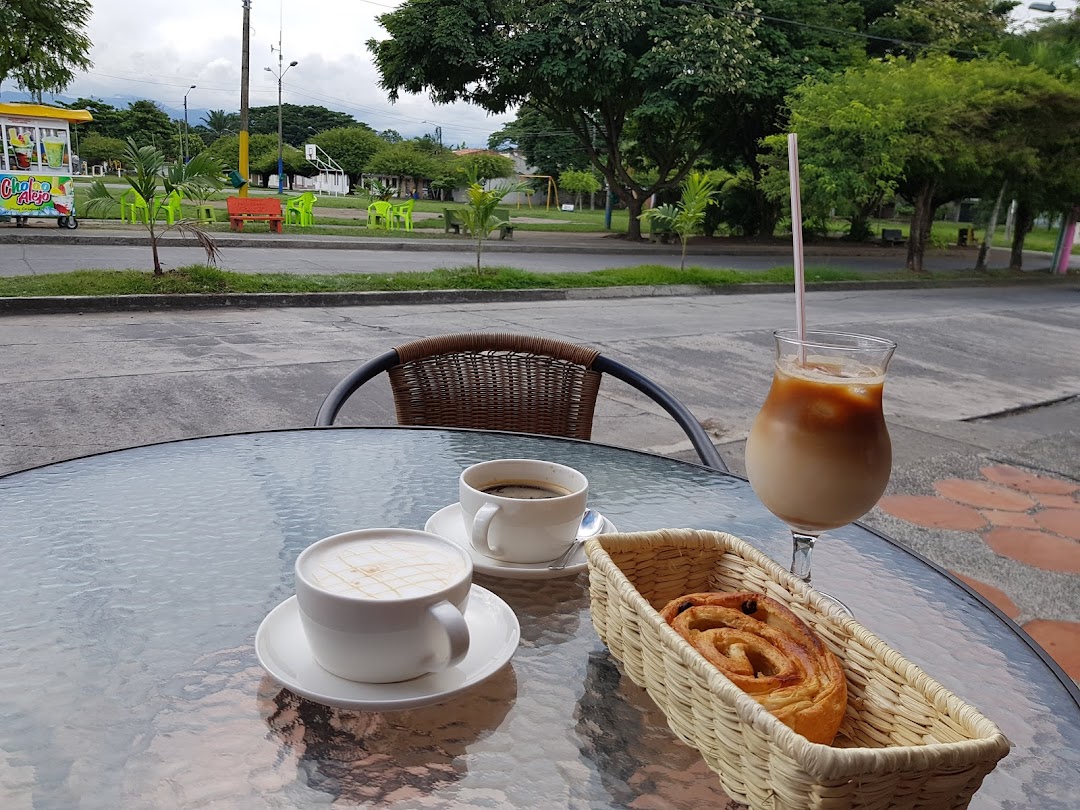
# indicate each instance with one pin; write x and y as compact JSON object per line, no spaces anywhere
{"x":819,"y":455}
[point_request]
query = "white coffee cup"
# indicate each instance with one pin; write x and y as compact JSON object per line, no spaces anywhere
{"x":522,"y":510}
{"x":384,"y":605}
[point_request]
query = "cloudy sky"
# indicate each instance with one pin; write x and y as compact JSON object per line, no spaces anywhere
{"x":163,"y":47}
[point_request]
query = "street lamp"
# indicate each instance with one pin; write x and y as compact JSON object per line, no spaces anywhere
{"x":183,"y":141}
{"x":438,"y":131}
{"x":280,"y":143}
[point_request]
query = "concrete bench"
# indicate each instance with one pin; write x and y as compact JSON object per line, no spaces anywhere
{"x":254,"y":209}
{"x":452,"y":221}
{"x":892,"y":236}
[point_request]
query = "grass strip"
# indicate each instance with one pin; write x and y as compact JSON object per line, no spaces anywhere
{"x":199,"y":279}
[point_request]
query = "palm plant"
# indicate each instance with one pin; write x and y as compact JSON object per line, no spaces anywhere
{"x":380,"y":191}
{"x":220,"y":123}
{"x":147,"y":180}
{"x":478,"y":215}
{"x":687,"y":217}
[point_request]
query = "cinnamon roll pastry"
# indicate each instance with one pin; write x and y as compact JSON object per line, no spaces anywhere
{"x":769,"y":653}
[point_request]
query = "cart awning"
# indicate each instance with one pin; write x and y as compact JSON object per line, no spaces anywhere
{"x":44,"y":111}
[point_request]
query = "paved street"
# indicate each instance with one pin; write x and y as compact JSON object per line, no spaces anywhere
{"x":77,"y":384}
{"x":56,"y":251}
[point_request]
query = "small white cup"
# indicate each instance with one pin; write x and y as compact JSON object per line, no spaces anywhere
{"x":522,"y":510}
{"x":384,"y":605}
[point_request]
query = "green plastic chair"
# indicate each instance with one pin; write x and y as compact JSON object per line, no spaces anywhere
{"x":380,"y":211}
{"x":127,"y":206}
{"x":170,"y":206}
{"x":402,"y":214}
{"x":298,"y":210}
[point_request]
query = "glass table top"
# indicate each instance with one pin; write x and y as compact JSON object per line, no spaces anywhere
{"x":133,"y":583}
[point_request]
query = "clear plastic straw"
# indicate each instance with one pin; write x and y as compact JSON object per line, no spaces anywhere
{"x":797,"y":240}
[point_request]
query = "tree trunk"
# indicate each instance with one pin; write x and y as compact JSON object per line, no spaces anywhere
{"x":682,"y":261}
{"x":157,"y":262}
{"x":1025,"y":217}
{"x":922,"y":219}
{"x":991,"y":226}
{"x":633,"y":209}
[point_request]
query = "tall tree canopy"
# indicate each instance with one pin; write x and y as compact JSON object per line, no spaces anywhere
{"x":936,"y":129}
{"x":547,"y":148}
{"x":44,"y":42}
{"x":298,"y":122}
{"x":636,"y":81}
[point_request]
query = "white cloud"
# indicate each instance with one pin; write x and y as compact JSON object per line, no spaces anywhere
{"x":159,"y":48}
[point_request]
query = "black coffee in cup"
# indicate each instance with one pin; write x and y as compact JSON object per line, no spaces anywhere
{"x":525,"y":490}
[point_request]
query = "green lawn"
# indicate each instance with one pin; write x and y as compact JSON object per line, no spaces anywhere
{"x":944,"y":234}
{"x":197,"y":279}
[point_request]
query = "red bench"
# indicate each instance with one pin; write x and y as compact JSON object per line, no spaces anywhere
{"x":254,"y":209}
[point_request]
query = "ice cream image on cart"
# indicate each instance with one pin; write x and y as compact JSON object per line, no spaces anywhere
{"x":36,"y":177}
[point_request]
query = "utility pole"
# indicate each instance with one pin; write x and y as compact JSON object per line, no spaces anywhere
{"x":245,"y":71}
{"x":280,"y":141}
{"x":183,"y":140}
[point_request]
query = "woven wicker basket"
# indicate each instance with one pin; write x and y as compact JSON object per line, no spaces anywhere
{"x":906,"y":742}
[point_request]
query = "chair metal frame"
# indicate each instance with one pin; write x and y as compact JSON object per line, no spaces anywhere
{"x":593,"y":365}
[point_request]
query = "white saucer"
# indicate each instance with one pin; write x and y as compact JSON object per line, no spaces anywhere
{"x":448,"y":523}
{"x":283,"y":651}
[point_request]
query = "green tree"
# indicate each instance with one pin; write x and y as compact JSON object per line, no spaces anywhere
{"x":293,"y":163}
{"x":148,"y":179}
{"x":940,"y":129}
{"x":927,"y":26}
{"x":403,"y":160}
{"x":483,"y":166}
{"x":350,"y":147}
{"x":637,"y":84}
{"x":687,"y":217}
{"x":95,"y":149}
{"x":851,"y":152}
{"x":219,"y":123}
{"x":298,"y":122}
{"x":579,"y":182}
{"x":226,"y":150}
{"x":44,"y":43}
{"x":546,"y":147}
{"x":146,"y":123}
{"x":108,"y":120}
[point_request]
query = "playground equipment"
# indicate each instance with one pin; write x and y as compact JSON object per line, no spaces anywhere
{"x":36,"y":176}
{"x":331,"y":179}
{"x":552,"y":190}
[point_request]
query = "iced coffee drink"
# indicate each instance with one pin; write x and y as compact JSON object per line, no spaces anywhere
{"x":819,"y":454}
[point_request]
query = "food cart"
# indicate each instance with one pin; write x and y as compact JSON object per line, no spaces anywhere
{"x":36,"y":176}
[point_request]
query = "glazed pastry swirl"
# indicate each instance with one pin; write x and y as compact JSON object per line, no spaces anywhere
{"x":769,"y":653}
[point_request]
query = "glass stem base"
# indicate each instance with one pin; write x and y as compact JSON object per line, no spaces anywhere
{"x":801,"y":553}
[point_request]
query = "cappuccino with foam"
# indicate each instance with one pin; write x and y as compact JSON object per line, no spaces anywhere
{"x":384,"y":568}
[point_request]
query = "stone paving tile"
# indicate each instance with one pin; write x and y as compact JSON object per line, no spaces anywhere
{"x":1040,"y":549}
{"x":1016,"y":520}
{"x":1030,"y":518}
{"x":1029,"y":482}
{"x":983,"y":494}
{"x":932,"y":512}
{"x":1061,"y":640}
{"x":1062,"y":521}
{"x":1057,"y":501}
{"x":996,"y":596}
